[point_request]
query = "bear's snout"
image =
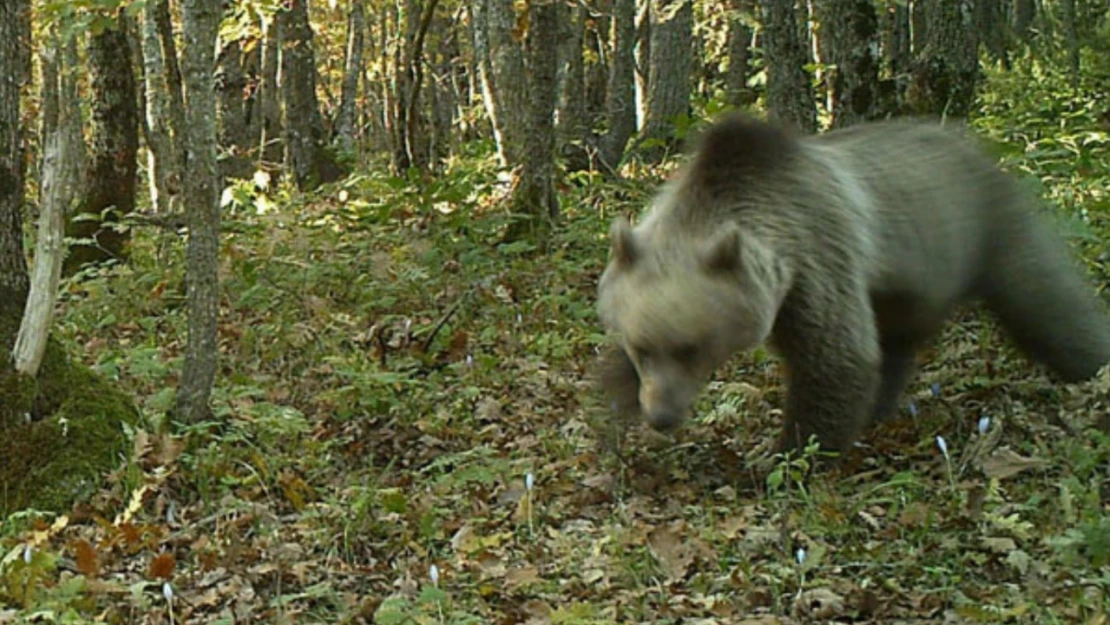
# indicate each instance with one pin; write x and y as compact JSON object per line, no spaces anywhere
{"x":664,"y":420}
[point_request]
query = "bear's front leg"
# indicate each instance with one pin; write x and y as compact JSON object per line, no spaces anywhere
{"x":833,"y":363}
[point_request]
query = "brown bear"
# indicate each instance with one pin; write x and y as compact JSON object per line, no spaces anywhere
{"x":844,"y":252}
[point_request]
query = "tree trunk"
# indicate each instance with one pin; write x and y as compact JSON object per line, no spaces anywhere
{"x":304,"y":127}
{"x":573,"y":127}
{"x":63,"y":150}
{"x":201,"y":20}
{"x":15,"y":16}
{"x":504,"y":83}
{"x":174,"y":88}
{"x":1025,"y":11}
{"x":410,"y":149}
{"x":643,"y":59}
{"x":854,"y":40}
{"x":347,"y":121}
{"x":789,"y":92}
{"x":1071,"y":38}
{"x":738,"y":49}
{"x":596,"y":64}
{"x":231,"y":110}
{"x":269,"y":106}
{"x":991,"y":25}
{"x":620,"y":105}
{"x":162,"y":163}
{"x":671,"y":60}
{"x":947,"y":69}
{"x":534,"y":203}
{"x":110,"y":183}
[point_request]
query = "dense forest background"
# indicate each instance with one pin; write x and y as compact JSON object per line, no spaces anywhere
{"x":299,"y":299}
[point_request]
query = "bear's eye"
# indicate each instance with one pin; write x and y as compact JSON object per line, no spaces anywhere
{"x":640,"y":354}
{"x":686,"y":352}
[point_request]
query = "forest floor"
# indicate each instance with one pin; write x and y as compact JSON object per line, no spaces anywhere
{"x":404,"y":432}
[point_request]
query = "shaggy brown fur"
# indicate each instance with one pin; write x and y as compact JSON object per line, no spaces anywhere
{"x":845,"y":251}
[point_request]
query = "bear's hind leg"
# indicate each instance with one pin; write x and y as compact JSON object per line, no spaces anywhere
{"x":1044,"y":303}
{"x":896,"y":370}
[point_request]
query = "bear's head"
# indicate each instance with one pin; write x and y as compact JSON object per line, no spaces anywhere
{"x":681,"y":302}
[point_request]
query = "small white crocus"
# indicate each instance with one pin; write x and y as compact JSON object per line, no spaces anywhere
{"x":167,"y":591}
{"x":984,"y":424}
{"x":27,"y":554}
{"x":529,"y":481}
{"x":519,"y":319}
{"x":433,"y":572}
{"x":943,"y":445}
{"x":800,"y":555}
{"x":469,"y":360}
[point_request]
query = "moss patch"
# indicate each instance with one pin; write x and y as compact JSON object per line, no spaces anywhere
{"x":75,"y":435}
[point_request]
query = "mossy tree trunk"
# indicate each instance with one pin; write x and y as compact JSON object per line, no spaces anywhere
{"x":346,"y":122}
{"x":232,"y":107}
{"x":201,"y":20}
{"x":739,"y":49}
{"x":789,"y":92}
{"x":669,"y":77}
{"x":163,"y":164}
{"x":620,"y":103}
{"x":304,"y":127}
{"x":854,"y":40}
{"x":946,"y":70}
{"x":534,"y":203}
{"x":14,"y":280}
{"x":74,"y":435}
{"x":270,"y":152}
{"x":112,"y":177}
{"x":574,"y":126}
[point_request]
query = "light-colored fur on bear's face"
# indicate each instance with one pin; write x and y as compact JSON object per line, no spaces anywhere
{"x":681,"y":306}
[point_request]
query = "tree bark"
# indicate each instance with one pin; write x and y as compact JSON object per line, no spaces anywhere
{"x":15,"y":16}
{"x":504,"y":83}
{"x":573,"y":127}
{"x":1025,"y":11}
{"x":201,"y":20}
{"x":270,"y":152}
{"x":231,"y":109}
{"x":620,"y":104}
{"x":669,"y":78}
{"x":164,"y":178}
{"x":534,"y":203}
{"x":347,"y":120}
{"x":947,"y":69}
{"x":789,"y":92}
{"x":304,"y":127}
{"x":855,"y":52}
{"x":160,"y":13}
{"x":60,"y":175}
{"x":738,"y":49}
{"x":993,"y":29}
{"x":1071,"y":39}
{"x":110,"y":184}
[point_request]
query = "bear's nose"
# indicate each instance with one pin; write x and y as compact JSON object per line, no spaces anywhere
{"x":663,"y":420}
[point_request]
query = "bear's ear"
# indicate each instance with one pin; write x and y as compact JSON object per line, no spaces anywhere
{"x":722,"y":251}
{"x":624,"y":248}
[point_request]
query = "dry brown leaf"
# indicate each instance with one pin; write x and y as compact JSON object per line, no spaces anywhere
{"x":162,"y":566}
{"x":1005,"y":462}
{"x":86,"y":558}
{"x":522,"y":576}
{"x":673,"y":553}
{"x":819,"y":603}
